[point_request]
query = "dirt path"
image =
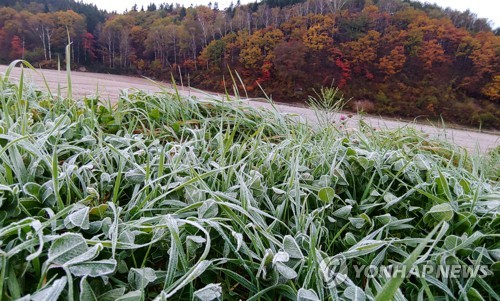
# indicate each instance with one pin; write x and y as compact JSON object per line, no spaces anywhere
{"x":109,"y":86}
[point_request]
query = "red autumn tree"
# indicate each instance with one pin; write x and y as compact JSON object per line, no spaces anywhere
{"x":89,"y":46}
{"x":3,"y":42}
{"x":16,"y":48}
{"x":289,"y":61}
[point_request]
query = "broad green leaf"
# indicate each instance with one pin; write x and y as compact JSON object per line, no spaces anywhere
{"x":86,"y":292}
{"x":285,"y":271}
{"x":474,"y":295}
{"x":33,"y":190}
{"x":194,"y":194}
{"x":366,"y":218}
{"x":5,"y":188}
{"x":469,"y":240}
{"x":440,"y":212}
{"x":13,"y":283}
{"x":131,"y":296}
{"x":292,"y":248}
{"x":47,"y":193}
{"x":135,"y":176}
{"x":364,"y":162}
{"x":99,"y":211}
{"x":354,"y":293}
{"x":140,"y":278}
{"x":465,"y":222}
{"x":357,"y":222}
{"x":326,"y":194}
{"x":112,"y":295}
{"x":281,"y":257}
{"x":89,"y":254}
{"x":67,"y":247}
{"x":390,"y":198}
{"x":324,"y":181}
{"x":105,"y":178}
{"x":267,"y":259}
{"x":343,"y":212}
{"x":307,"y":295}
{"x":209,"y":209}
{"x":422,"y":162}
{"x":278,"y":191}
{"x":78,"y":218}
{"x":443,"y":186}
{"x":481,"y":252}
{"x":350,"y":239}
{"x":452,"y":241}
{"x":94,"y":268}
{"x":127,"y":237}
{"x":155,"y":114}
{"x":52,"y":292}
{"x":193,"y":242}
{"x":465,"y":185}
{"x":385,"y":218}
{"x":495,"y":254}
{"x":210,"y":292}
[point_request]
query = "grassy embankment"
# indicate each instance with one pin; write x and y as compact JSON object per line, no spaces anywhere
{"x":170,"y":197}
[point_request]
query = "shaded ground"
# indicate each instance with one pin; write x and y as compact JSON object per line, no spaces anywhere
{"x":109,"y":87}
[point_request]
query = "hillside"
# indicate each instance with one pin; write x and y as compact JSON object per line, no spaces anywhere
{"x":392,"y":57}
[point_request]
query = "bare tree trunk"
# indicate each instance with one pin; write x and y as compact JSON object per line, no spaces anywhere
{"x":109,"y":51}
{"x":249,"y":22}
{"x":49,"y":44}
{"x":194,"y":53}
{"x":175,"y":49}
{"x":336,"y":5}
{"x":41,"y":35}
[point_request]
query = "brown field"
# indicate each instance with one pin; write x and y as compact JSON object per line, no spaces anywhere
{"x":110,"y":86}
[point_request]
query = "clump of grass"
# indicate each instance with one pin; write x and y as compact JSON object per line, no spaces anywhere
{"x":165,"y":197}
{"x":327,"y":104}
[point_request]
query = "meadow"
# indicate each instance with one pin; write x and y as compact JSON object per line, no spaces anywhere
{"x":168,"y":197}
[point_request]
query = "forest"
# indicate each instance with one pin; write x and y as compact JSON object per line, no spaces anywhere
{"x":389,"y":57}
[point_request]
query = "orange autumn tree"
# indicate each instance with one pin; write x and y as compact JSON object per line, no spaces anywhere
{"x":257,"y":53}
{"x":251,"y":55}
{"x":431,"y":53}
{"x":362,"y":53}
{"x":318,"y":36}
{"x":492,"y":89}
{"x":486,"y":60}
{"x":393,"y":63}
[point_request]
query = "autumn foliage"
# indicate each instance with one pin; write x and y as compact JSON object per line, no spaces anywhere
{"x":398,"y":58}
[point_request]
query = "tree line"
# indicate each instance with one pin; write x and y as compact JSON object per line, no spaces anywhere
{"x":393,"y":57}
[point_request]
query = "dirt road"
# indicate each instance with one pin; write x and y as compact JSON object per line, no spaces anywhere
{"x":109,"y":86}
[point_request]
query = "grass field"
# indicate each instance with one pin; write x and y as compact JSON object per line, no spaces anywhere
{"x":109,"y":86}
{"x":168,"y":197}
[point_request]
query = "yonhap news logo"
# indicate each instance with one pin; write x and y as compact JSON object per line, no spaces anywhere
{"x":336,"y":271}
